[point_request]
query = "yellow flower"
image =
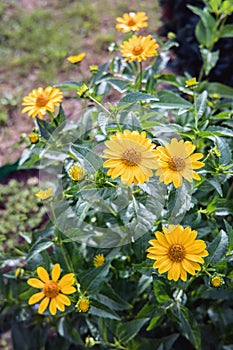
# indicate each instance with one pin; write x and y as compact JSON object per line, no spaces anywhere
{"x":217,"y":281}
{"x":139,"y":48}
{"x":215,"y":95}
{"x":131,"y":21}
{"x":81,"y":91}
{"x":52,"y":291}
{"x":33,"y":137}
{"x":41,"y":100}
{"x":94,"y":69}
{"x":98,"y":260}
{"x":45,"y":194}
{"x":83,"y":305}
{"x":76,"y":172}
{"x":131,"y":156}
{"x":77,"y":58}
{"x":177,"y":252}
{"x":176,"y":161}
{"x":191,"y":82}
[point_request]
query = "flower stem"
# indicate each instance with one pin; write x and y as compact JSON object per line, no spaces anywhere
{"x":140,"y":76}
{"x":99,"y":104}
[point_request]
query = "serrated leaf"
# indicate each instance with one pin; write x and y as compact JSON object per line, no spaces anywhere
{"x":220,"y":131}
{"x":93,"y":161}
{"x":133,"y":97}
{"x":128,"y":330}
{"x":217,"y":248}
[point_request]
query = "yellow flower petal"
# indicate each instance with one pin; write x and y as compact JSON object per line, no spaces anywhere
{"x":43,"y":274}
{"x":56,"y":271}
{"x":63,"y":299}
{"x":35,"y":283}
{"x":43,"y":305}
{"x":68,"y":279}
{"x":35,"y":298}
{"x":68,"y":290}
{"x":53,"y":306}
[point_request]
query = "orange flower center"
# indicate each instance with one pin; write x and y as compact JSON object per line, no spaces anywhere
{"x":137,"y":50}
{"x":131,"y":157}
{"x":176,"y":163}
{"x":51,"y":289}
{"x":41,"y":100}
{"x":131,"y":22}
{"x":176,"y":252}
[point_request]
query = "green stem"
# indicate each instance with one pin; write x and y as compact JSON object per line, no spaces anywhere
{"x":99,"y":104}
{"x":140,"y":76}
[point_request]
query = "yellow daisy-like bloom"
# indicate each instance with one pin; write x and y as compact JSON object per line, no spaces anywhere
{"x":131,"y":156}
{"x":45,"y":194}
{"x":82,"y":90}
{"x":76,"y":172}
{"x":77,"y":58}
{"x":52,"y":291}
{"x":98,"y":260}
{"x":33,"y":137}
{"x":94,"y":68}
{"x":177,"y":252}
{"x":191,"y":82}
{"x":176,"y":161}
{"x":83,"y":305}
{"x":139,"y":48}
{"x":41,"y":100}
{"x":131,"y":21}
{"x":217,"y":281}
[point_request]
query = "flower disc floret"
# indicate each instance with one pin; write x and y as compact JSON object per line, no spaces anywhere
{"x":40,"y":100}
{"x":177,"y":251}
{"x":131,"y":22}
{"x":176,"y":161}
{"x":131,"y":156}
{"x":139,"y":48}
{"x":53,"y":291}
{"x":76,"y":172}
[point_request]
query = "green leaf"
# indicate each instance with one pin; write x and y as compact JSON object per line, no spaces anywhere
{"x":206,"y":28}
{"x":189,"y":327}
{"x":45,"y":128}
{"x":133,"y":97}
{"x":161,"y":290}
{"x":170,"y":100}
{"x":157,"y":319}
{"x":229,"y":231}
{"x":92,"y":279}
{"x":118,"y":84}
{"x":225,"y":152}
{"x":210,"y":59}
{"x":217,"y":248}
{"x":220,"y":89}
{"x":66,"y":330}
{"x":68,"y":85}
{"x":216,"y":185}
{"x":226,"y":31}
{"x":101,"y":310}
{"x":128,"y":330}
{"x":38,"y":247}
{"x":220,"y":131}
{"x":201,"y":103}
{"x":93,"y":161}
{"x":60,"y":118}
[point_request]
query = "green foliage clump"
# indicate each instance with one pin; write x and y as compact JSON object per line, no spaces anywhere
{"x":100,"y":227}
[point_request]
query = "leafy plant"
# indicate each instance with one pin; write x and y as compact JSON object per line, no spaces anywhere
{"x":104,"y":212}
